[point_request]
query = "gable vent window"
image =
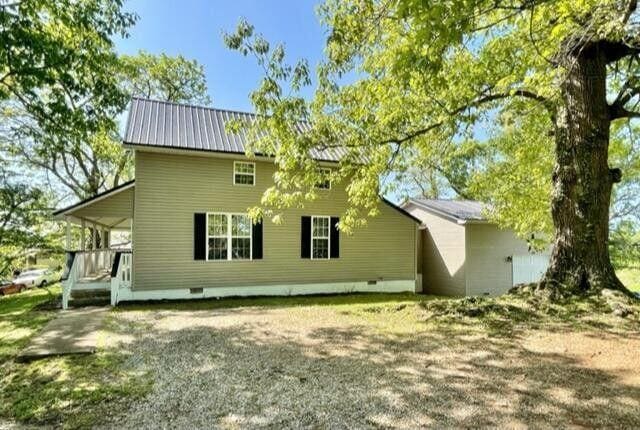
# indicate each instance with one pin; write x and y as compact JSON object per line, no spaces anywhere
{"x":244,"y":173}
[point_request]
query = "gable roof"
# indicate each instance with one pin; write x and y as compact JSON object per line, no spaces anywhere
{"x":457,"y":210}
{"x":158,"y":124}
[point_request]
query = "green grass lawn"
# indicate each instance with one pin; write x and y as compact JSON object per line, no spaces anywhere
{"x":70,"y":391}
{"x":18,"y":319}
{"x":630,"y":277}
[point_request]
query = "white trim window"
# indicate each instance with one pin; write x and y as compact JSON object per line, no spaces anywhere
{"x":325,"y":182}
{"x":320,"y":237}
{"x":229,"y":237}
{"x":244,"y":173}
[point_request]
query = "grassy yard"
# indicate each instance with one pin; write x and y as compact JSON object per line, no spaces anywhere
{"x":62,"y":391}
{"x":361,"y":360}
{"x":630,"y":277}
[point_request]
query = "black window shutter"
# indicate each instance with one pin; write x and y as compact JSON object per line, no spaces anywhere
{"x":199,"y":236}
{"x":256,"y":244}
{"x":335,"y":238}
{"x":305,"y":237}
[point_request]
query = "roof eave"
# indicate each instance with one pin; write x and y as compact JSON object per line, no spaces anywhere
{"x":212,"y":152}
{"x":61,"y":213}
{"x":449,"y":216}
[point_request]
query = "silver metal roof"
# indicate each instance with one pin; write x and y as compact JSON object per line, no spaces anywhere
{"x":172,"y":125}
{"x":462,"y":210}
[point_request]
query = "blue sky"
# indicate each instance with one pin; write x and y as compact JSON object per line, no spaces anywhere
{"x":194,"y":29}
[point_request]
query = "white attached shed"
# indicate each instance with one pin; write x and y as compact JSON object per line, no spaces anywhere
{"x":462,"y":254}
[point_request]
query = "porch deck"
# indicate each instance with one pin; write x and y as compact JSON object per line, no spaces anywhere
{"x":95,"y":281}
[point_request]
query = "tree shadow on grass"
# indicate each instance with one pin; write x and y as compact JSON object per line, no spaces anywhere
{"x":274,"y":301}
{"x":341,"y":376}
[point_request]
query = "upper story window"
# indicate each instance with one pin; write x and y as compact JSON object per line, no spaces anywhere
{"x":244,"y":173}
{"x":325,"y":182}
{"x":229,"y":237}
{"x":320,"y":237}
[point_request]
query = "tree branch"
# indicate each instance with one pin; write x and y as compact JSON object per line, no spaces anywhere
{"x":631,"y":7}
{"x":475,"y":103}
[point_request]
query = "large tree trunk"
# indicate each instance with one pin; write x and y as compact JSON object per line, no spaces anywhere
{"x":582,"y":180}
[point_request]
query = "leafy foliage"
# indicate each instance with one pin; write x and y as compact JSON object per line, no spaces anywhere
{"x":62,"y":88}
{"x":58,"y":89}
{"x":161,"y":77}
{"x":22,"y":214}
{"x":408,"y":83}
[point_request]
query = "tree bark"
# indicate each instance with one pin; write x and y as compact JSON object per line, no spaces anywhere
{"x":582,"y":180}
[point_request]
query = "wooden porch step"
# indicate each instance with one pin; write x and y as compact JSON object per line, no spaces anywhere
{"x":89,"y":301}
{"x":82,"y":298}
{"x":84,"y":294}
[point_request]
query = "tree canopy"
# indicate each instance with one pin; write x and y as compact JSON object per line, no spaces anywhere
{"x":408,"y":83}
{"x":161,"y":77}
{"x":63,"y":87}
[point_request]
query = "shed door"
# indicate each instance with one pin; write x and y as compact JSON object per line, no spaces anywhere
{"x":529,"y":268}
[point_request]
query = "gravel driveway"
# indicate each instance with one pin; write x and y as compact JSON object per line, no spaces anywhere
{"x":326,"y":367}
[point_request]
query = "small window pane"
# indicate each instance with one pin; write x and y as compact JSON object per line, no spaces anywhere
{"x":217,"y":248}
{"x":241,"y":248}
{"x":217,"y":225}
{"x":320,"y":248}
{"x":243,"y":179}
{"x":321,"y":227}
{"x":240,"y":225}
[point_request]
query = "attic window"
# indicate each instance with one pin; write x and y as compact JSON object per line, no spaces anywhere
{"x":325,"y":182}
{"x":244,"y":173}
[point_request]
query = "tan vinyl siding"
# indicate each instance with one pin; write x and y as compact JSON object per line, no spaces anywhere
{"x":488,"y":271}
{"x":443,"y":254}
{"x":171,"y":188}
{"x":119,"y":205}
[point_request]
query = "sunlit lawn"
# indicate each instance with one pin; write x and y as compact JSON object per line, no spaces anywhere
{"x":71,"y":390}
{"x":630,"y":277}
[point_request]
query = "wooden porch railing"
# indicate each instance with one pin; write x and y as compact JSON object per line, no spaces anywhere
{"x":120,"y":275}
{"x":85,"y":264}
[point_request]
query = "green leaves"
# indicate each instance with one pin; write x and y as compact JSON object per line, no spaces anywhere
{"x":161,"y":77}
{"x":462,"y":90}
{"x":23,"y":210}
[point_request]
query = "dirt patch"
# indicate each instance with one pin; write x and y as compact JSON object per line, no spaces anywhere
{"x":614,"y":354}
{"x":357,"y":366}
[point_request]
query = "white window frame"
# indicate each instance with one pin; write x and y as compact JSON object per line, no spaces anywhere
{"x":328,"y":218}
{"x":229,"y":236}
{"x":325,"y":171}
{"x":235,"y":172}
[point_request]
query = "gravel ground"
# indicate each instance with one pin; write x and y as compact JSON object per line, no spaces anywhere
{"x":324,"y":367}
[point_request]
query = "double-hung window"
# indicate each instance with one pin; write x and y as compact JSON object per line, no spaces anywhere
{"x":229,"y":236}
{"x":320,"y":237}
{"x":244,"y":173}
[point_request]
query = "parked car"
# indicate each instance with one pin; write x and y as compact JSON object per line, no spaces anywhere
{"x":7,"y":287}
{"x":37,"y":278}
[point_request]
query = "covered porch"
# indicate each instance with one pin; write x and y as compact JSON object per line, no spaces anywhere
{"x":98,"y":242}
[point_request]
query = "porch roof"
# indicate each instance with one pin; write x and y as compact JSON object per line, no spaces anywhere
{"x":112,"y":209}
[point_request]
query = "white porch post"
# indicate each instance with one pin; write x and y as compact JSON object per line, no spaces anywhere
{"x":83,"y":240}
{"x":94,"y":247}
{"x":68,"y":234}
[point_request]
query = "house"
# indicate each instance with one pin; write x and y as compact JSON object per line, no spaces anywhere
{"x":462,"y":254}
{"x":190,"y":233}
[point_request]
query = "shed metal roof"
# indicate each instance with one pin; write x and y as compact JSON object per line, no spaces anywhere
{"x":168,"y":125}
{"x":460,"y":210}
